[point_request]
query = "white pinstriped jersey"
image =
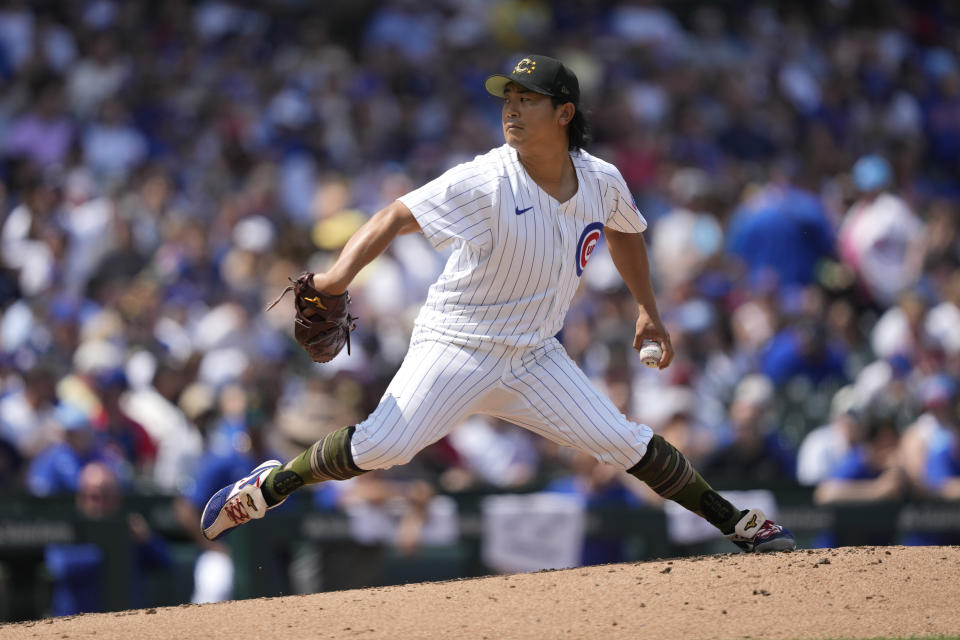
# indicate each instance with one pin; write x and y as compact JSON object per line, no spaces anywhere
{"x":484,"y":338}
{"x":518,"y":253}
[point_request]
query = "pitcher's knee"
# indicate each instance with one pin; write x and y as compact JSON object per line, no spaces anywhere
{"x":625,"y":446}
{"x":382,"y":458}
{"x":378,"y":447}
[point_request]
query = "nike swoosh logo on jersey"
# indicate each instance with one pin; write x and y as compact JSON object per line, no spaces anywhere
{"x":522,"y":211}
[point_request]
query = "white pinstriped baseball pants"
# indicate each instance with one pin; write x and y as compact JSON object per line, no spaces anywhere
{"x":540,"y":389}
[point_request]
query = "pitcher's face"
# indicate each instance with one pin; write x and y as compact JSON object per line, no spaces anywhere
{"x":529,"y":117}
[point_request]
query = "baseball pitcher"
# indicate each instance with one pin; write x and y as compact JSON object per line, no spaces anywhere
{"x":522,"y":221}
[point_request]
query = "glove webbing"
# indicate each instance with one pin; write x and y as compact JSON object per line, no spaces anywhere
{"x":332,"y":324}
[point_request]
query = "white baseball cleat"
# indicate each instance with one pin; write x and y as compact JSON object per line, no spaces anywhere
{"x":755,"y":534}
{"x":237,"y":503}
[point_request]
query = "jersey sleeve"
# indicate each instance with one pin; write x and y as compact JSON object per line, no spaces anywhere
{"x":622,"y":212}
{"x":455,"y":206}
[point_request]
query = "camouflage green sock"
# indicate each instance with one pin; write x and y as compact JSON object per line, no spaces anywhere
{"x":672,"y":476}
{"x":328,"y":459}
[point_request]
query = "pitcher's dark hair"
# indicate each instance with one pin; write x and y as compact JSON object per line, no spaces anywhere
{"x":578,"y":131}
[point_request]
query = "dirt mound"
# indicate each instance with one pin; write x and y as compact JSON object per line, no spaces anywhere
{"x":848,"y":593}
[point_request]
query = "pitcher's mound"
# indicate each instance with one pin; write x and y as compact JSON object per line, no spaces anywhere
{"x":856,"y":592}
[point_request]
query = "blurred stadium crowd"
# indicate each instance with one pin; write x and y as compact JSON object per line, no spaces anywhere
{"x":164,"y":167}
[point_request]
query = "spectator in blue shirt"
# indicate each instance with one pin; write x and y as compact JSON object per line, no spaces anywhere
{"x":598,"y":485}
{"x":943,"y":465}
{"x":784,"y":230}
{"x":942,"y":480}
{"x":801,"y":351}
{"x":871,"y":470}
{"x":57,"y":468}
{"x":77,"y":569}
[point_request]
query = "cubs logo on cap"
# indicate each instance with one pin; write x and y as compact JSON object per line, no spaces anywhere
{"x":525,"y":66}
{"x":587,"y":243}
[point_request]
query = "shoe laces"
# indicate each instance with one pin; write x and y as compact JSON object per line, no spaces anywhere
{"x":768,"y":528}
{"x":236,"y":509}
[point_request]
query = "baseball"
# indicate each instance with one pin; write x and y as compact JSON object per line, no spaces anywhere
{"x":650,"y":353}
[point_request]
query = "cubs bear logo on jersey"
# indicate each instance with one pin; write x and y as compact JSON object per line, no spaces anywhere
{"x":587,"y":243}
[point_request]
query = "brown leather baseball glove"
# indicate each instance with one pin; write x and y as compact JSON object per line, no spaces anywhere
{"x":322,"y":325}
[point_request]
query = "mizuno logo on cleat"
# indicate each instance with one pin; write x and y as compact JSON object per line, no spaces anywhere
{"x":751,"y":524}
{"x":251,"y":503}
